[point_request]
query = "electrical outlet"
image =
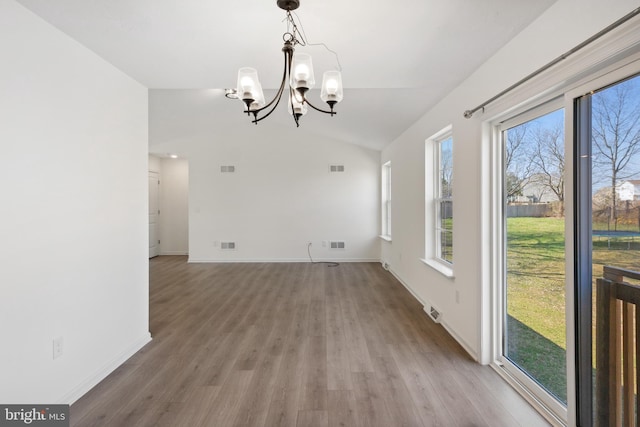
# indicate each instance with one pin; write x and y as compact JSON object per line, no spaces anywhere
{"x":324,"y":243}
{"x":57,"y":347}
{"x":457,"y":297}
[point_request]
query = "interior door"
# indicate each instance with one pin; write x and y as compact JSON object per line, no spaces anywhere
{"x":154,"y":211}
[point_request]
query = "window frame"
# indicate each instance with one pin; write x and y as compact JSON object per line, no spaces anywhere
{"x":441,"y":199}
{"x":433,"y":202}
{"x":386,"y":202}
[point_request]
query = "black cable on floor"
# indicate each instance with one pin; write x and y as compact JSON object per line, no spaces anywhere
{"x":329,"y":263}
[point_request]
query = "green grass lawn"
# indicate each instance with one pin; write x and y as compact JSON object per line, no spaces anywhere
{"x":536,"y":300}
{"x":536,"y":293}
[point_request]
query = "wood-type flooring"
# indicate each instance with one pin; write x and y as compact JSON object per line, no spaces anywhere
{"x":295,"y":344}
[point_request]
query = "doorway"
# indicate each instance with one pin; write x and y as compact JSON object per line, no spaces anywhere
{"x":154,"y":212}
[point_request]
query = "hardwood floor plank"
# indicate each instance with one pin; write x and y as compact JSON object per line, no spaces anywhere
{"x":338,"y":368}
{"x":283,"y":407}
{"x":254,"y":407}
{"x":285,"y":394}
{"x":194,"y":411}
{"x":314,"y":389}
{"x":395,"y":393}
{"x":342,"y":408}
{"x":359,"y":358}
{"x":226,"y":405}
{"x":295,"y":344}
{"x":312,"y":419}
{"x":371,"y":410}
{"x":425,"y":396}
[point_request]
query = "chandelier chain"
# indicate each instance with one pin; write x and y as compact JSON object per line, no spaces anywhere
{"x":292,"y":28}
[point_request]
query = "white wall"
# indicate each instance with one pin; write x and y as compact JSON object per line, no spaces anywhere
{"x":561,"y":27}
{"x":73,"y":213}
{"x":281,"y":195}
{"x":154,"y":163}
{"x":174,"y":206}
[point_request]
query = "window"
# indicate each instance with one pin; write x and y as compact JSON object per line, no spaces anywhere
{"x":444,"y":199}
{"x":386,"y":201}
{"x":439,"y":202}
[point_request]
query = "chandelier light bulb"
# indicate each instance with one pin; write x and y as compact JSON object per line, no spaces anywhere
{"x":332,"y":87}
{"x":296,"y":106}
{"x":302,"y":72}
{"x":331,"y":92}
{"x":249,"y":89}
{"x":247,"y":84}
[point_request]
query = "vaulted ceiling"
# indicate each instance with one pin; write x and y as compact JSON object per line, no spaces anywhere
{"x":398,"y":58}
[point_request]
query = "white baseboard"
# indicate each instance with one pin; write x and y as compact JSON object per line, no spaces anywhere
{"x":101,"y":374}
{"x":443,"y":322}
{"x":279,"y":260}
{"x":174,"y":253}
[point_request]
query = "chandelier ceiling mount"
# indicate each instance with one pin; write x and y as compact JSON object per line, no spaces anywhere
{"x":288,"y":5}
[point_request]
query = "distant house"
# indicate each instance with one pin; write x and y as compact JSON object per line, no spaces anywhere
{"x":628,"y":190}
{"x":535,"y":191}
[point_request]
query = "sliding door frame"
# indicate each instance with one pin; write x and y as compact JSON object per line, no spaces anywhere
{"x":554,"y":410}
{"x":579,"y":100}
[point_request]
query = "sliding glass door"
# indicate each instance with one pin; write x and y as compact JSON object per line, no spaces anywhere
{"x":608,"y":205}
{"x":533,"y":256}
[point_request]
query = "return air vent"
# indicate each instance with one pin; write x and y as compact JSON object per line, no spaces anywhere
{"x":227,"y":169}
{"x":434,"y":313}
{"x":227,"y":246}
{"x":336,"y":168}
{"x":336,"y":245}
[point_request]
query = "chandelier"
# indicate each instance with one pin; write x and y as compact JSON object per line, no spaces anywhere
{"x":298,"y":77}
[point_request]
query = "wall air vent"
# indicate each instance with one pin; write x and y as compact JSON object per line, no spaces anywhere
{"x":227,"y":169}
{"x":227,"y":246}
{"x":336,"y":168}
{"x":434,"y":313}
{"x":336,"y":245}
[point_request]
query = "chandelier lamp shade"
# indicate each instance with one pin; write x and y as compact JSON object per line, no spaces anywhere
{"x":298,"y":79}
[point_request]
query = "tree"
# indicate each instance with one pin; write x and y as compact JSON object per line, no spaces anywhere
{"x":517,"y":161}
{"x":446,"y":167}
{"x":548,"y":159}
{"x":616,"y":135}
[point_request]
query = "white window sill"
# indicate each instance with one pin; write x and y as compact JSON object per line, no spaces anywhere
{"x":385,"y":237}
{"x":441,"y":268}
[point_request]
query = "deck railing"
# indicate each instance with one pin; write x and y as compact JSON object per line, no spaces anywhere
{"x":617,"y":348}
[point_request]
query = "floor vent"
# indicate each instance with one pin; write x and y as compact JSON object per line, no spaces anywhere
{"x":336,"y":168}
{"x":336,"y":245}
{"x":227,"y":246}
{"x":227,"y":169}
{"x":434,"y":313}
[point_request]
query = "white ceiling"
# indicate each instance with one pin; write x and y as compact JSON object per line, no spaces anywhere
{"x":398,"y":58}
